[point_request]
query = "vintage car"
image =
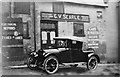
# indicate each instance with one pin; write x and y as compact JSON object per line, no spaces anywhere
{"x":66,"y":50}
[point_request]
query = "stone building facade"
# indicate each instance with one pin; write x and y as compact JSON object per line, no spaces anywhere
{"x":45,"y":20}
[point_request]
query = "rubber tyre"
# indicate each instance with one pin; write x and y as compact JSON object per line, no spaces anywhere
{"x":92,"y":63}
{"x":30,"y":60}
{"x":51,"y":64}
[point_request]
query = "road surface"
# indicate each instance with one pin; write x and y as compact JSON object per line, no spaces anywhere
{"x":102,"y":69}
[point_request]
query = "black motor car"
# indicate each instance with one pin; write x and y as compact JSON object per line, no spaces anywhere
{"x":67,"y":50}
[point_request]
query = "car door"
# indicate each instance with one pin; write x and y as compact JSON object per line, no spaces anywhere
{"x":76,"y":52}
{"x":65,"y":53}
{"x":65,"y":56}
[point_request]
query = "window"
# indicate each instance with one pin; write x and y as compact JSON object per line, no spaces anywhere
{"x":78,"y":29}
{"x":25,"y":30}
{"x":22,"y":7}
{"x":47,"y":26}
{"x":5,"y":9}
{"x":58,"y":7}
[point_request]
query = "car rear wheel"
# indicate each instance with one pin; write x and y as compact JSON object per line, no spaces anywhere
{"x":92,"y":63}
{"x":51,"y":64}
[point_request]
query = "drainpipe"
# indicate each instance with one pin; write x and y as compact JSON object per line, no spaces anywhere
{"x":34,"y":26}
{"x":10,"y":9}
{"x":118,"y":7}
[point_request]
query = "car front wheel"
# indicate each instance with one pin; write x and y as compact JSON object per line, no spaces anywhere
{"x":31,"y":63}
{"x":51,"y":64}
{"x":92,"y":63}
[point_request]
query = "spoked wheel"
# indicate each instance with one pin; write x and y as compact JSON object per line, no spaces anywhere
{"x":92,"y":63}
{"x":31,"y":63}
{"x":51,"y":64}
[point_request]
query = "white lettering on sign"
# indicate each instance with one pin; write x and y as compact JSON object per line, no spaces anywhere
{"x":9,"y":28}
{"x":93,"y":44}
{"x":55,"y":16}
{"x":19,"y":37}
{"x":84,"y":18}
{"x":93,"y":47}
{"x":12,"y":37}
{"x":59,"y":15}
{"x":64,"y":16}
{"x":15,"y":33}
{"x":93,"y":32}
{"x":6,"y":37}
{"x":8,"y":24}
{"x":13,"y":46}
{"x":93,"y":37}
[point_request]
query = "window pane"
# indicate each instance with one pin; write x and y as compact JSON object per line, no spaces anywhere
{"x":58,"y":7}
{"x":78,"y":29}
{"x":22,"y":7}
{"x":5,"y":9}
{"x":47,"y":26}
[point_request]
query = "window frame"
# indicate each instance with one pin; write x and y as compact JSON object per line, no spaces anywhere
{"x":82,"y":34}
{"x":26,"y":34}
{"x":21,"y":9}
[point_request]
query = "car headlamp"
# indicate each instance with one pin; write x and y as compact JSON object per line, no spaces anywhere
{"x":35,"y":54}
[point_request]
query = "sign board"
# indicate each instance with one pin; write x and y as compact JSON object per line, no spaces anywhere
{"x":99,"y":14}
{"x":12,"y":38}
{"x":93,"y":37}
{"x":64,"y":17}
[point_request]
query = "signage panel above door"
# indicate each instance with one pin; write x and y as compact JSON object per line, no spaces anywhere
{"x":64,"y":17}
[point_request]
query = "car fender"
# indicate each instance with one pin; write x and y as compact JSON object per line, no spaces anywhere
{"x":49,"y":54}
{"x":89,"y":55}
{"x":93,"y":54}
{"x":46,"y":54}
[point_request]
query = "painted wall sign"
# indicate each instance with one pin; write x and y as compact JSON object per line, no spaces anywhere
{"x":93,"y":37}
{"x":64,"y":16}
{"x":12,"y":39}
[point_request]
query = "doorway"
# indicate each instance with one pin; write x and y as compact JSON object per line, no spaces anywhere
{"x":48,"y":32}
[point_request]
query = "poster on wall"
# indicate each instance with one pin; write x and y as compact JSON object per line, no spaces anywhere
{"x":95,"y":34}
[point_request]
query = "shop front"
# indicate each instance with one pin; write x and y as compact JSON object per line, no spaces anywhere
{"x":61,"y":24}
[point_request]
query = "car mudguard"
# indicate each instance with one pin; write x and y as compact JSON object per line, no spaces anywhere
{"x":93,"y":54}
{"x":52,"y":54}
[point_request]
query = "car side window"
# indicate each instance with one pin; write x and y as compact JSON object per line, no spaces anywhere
{"x":73,"y":42}
{"x":62,"y":43}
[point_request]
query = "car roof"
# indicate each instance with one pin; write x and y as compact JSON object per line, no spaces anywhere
{"x":75,"y":38}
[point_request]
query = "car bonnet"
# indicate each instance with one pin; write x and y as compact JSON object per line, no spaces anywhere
{"x":51,"y":50}
{"x":55,"y":50}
